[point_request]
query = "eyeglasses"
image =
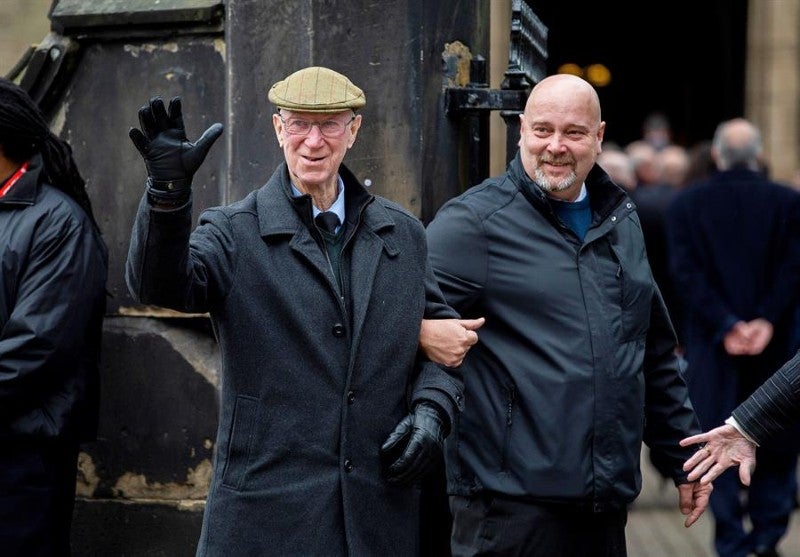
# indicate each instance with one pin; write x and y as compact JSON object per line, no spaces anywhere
{"x":328,"y":128}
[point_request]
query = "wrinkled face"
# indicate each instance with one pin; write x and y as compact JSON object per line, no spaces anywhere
{"x":560,"y":137}
{"x":314,"y":155}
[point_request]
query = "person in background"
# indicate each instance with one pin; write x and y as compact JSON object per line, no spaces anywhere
{"x":53,"y":270}
{"x":619,"y":167}
{"x":316,"y":288}
{"x":734,"y":245}
{"x":577,"y":341}
{"x":768,"y":412}
{"x":643,"y":157}
{"x":672,"y":163}
{"x":656,"y":130}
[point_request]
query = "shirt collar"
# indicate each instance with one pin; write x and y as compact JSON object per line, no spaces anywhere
{"x":582,"y":195}
{"x":338,"y":205}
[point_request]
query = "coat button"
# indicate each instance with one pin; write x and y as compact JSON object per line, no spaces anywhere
{"x":351,"y":397}
{"x":348,"y":465}
{"x":338,"y":330}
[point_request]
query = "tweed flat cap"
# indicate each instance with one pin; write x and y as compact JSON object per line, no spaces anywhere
{"x":316,"y":89}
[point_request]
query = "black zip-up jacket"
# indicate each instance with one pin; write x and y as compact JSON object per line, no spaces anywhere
{"x":575,"y":364}
{"x":53,"y":270}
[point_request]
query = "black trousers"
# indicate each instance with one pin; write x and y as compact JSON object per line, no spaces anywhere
{"x":488,"y":526}
{"x":37,"y":497}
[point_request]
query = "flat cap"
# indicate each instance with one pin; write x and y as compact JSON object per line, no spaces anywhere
{"x":316,"y":89}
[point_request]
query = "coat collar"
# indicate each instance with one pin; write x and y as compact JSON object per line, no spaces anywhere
{"x":278,"y":210}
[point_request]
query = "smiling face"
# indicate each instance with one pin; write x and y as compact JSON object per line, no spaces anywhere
{"x":314,"y":158}
{"x":561,"y":134}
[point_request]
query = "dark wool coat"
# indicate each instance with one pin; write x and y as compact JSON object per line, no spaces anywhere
{"x":312,"y":382}
{"x":735,"y":255}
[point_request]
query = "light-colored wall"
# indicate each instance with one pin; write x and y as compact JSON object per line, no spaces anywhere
{"x":22,"y":24}
{"x":498,"y":63}
{"x":772,"y":89}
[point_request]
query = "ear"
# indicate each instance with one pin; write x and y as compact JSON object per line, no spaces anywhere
{"x":278,"y":125}
{"x":355,"y":125}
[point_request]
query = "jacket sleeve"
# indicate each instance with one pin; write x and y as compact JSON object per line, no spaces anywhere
{"x":669,"y":414}
{"x":457,"y":250}
{"x":440,"y":384}
{"x":773,"y":407}
{"x":61,"y":284}
{"x":170,"y":266}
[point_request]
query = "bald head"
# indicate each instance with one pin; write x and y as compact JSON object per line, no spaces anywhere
{"x":565,"y":90}
{"x":737,"y":142}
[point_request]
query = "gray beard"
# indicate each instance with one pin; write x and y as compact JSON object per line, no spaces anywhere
{"x":547,"y":186}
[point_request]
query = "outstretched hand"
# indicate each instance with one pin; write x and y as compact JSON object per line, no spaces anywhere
{"x":724,"y":447}
{"x":168,"y":155}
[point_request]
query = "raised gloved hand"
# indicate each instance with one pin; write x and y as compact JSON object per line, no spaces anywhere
{"x":414,"y":448}
{"x":171,"y":159}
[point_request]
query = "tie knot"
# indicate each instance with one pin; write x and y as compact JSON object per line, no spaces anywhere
{"x":327,"y":221}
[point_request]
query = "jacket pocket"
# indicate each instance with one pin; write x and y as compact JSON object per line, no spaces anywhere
{"x":636,"y":294}
{"x":240,"y":441}
{"x":511,"y":398}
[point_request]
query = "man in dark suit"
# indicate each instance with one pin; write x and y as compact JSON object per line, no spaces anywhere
{"x":734,"y":243}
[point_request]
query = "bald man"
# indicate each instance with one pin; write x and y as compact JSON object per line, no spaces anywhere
{"x":575,"y":365}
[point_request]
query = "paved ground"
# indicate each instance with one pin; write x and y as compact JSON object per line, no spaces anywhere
{"x":655,"y":526}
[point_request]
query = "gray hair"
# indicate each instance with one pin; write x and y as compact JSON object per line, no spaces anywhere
{"x":737,"y":142}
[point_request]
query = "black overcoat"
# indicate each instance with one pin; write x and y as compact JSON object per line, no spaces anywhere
{"x":734,"y":243}
{"x":312,"y":382}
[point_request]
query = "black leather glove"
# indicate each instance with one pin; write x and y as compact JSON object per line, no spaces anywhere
{"x":170,"y":158}
{"x":414,"y":448}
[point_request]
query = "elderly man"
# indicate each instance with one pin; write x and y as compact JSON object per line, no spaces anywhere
{"x":316,"y":289}
{"x":734,"y":244}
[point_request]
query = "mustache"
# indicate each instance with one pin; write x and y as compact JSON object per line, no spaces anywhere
{"x":556,"y":160}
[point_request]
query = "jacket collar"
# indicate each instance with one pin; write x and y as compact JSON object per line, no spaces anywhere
{"x":26,"y":189}
{"x":607,"y":199}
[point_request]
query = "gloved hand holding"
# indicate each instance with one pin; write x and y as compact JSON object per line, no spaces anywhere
{"x":171,"y":159}
{"x":414,"y":448}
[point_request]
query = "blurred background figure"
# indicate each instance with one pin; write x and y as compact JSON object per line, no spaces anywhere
{"x":672,"y":165}
{"x":643,"y":157}
{"x":734,"y":245}
{"x":701,"y":163}
{"x":656,"y":130}
{"x":619,"y":167}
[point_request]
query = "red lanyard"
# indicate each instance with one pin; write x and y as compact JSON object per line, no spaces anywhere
{"x":13,"y":180}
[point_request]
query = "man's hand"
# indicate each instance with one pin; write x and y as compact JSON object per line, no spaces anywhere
{"x":748,"y":338}
{"x":447,"y":341}
{"x":693,"y":500}
{"x":171,"y":159}
{"x":724,"y":447}
{"x":414,"y":448}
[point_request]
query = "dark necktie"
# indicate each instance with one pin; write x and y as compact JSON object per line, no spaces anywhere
{"x":327,"y":221}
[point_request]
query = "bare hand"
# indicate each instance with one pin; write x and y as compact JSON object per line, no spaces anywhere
{"x":724,"y":447}
{"x":748,"y":337}
{"x":447,"y":341}
{"x":693,"y":500}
